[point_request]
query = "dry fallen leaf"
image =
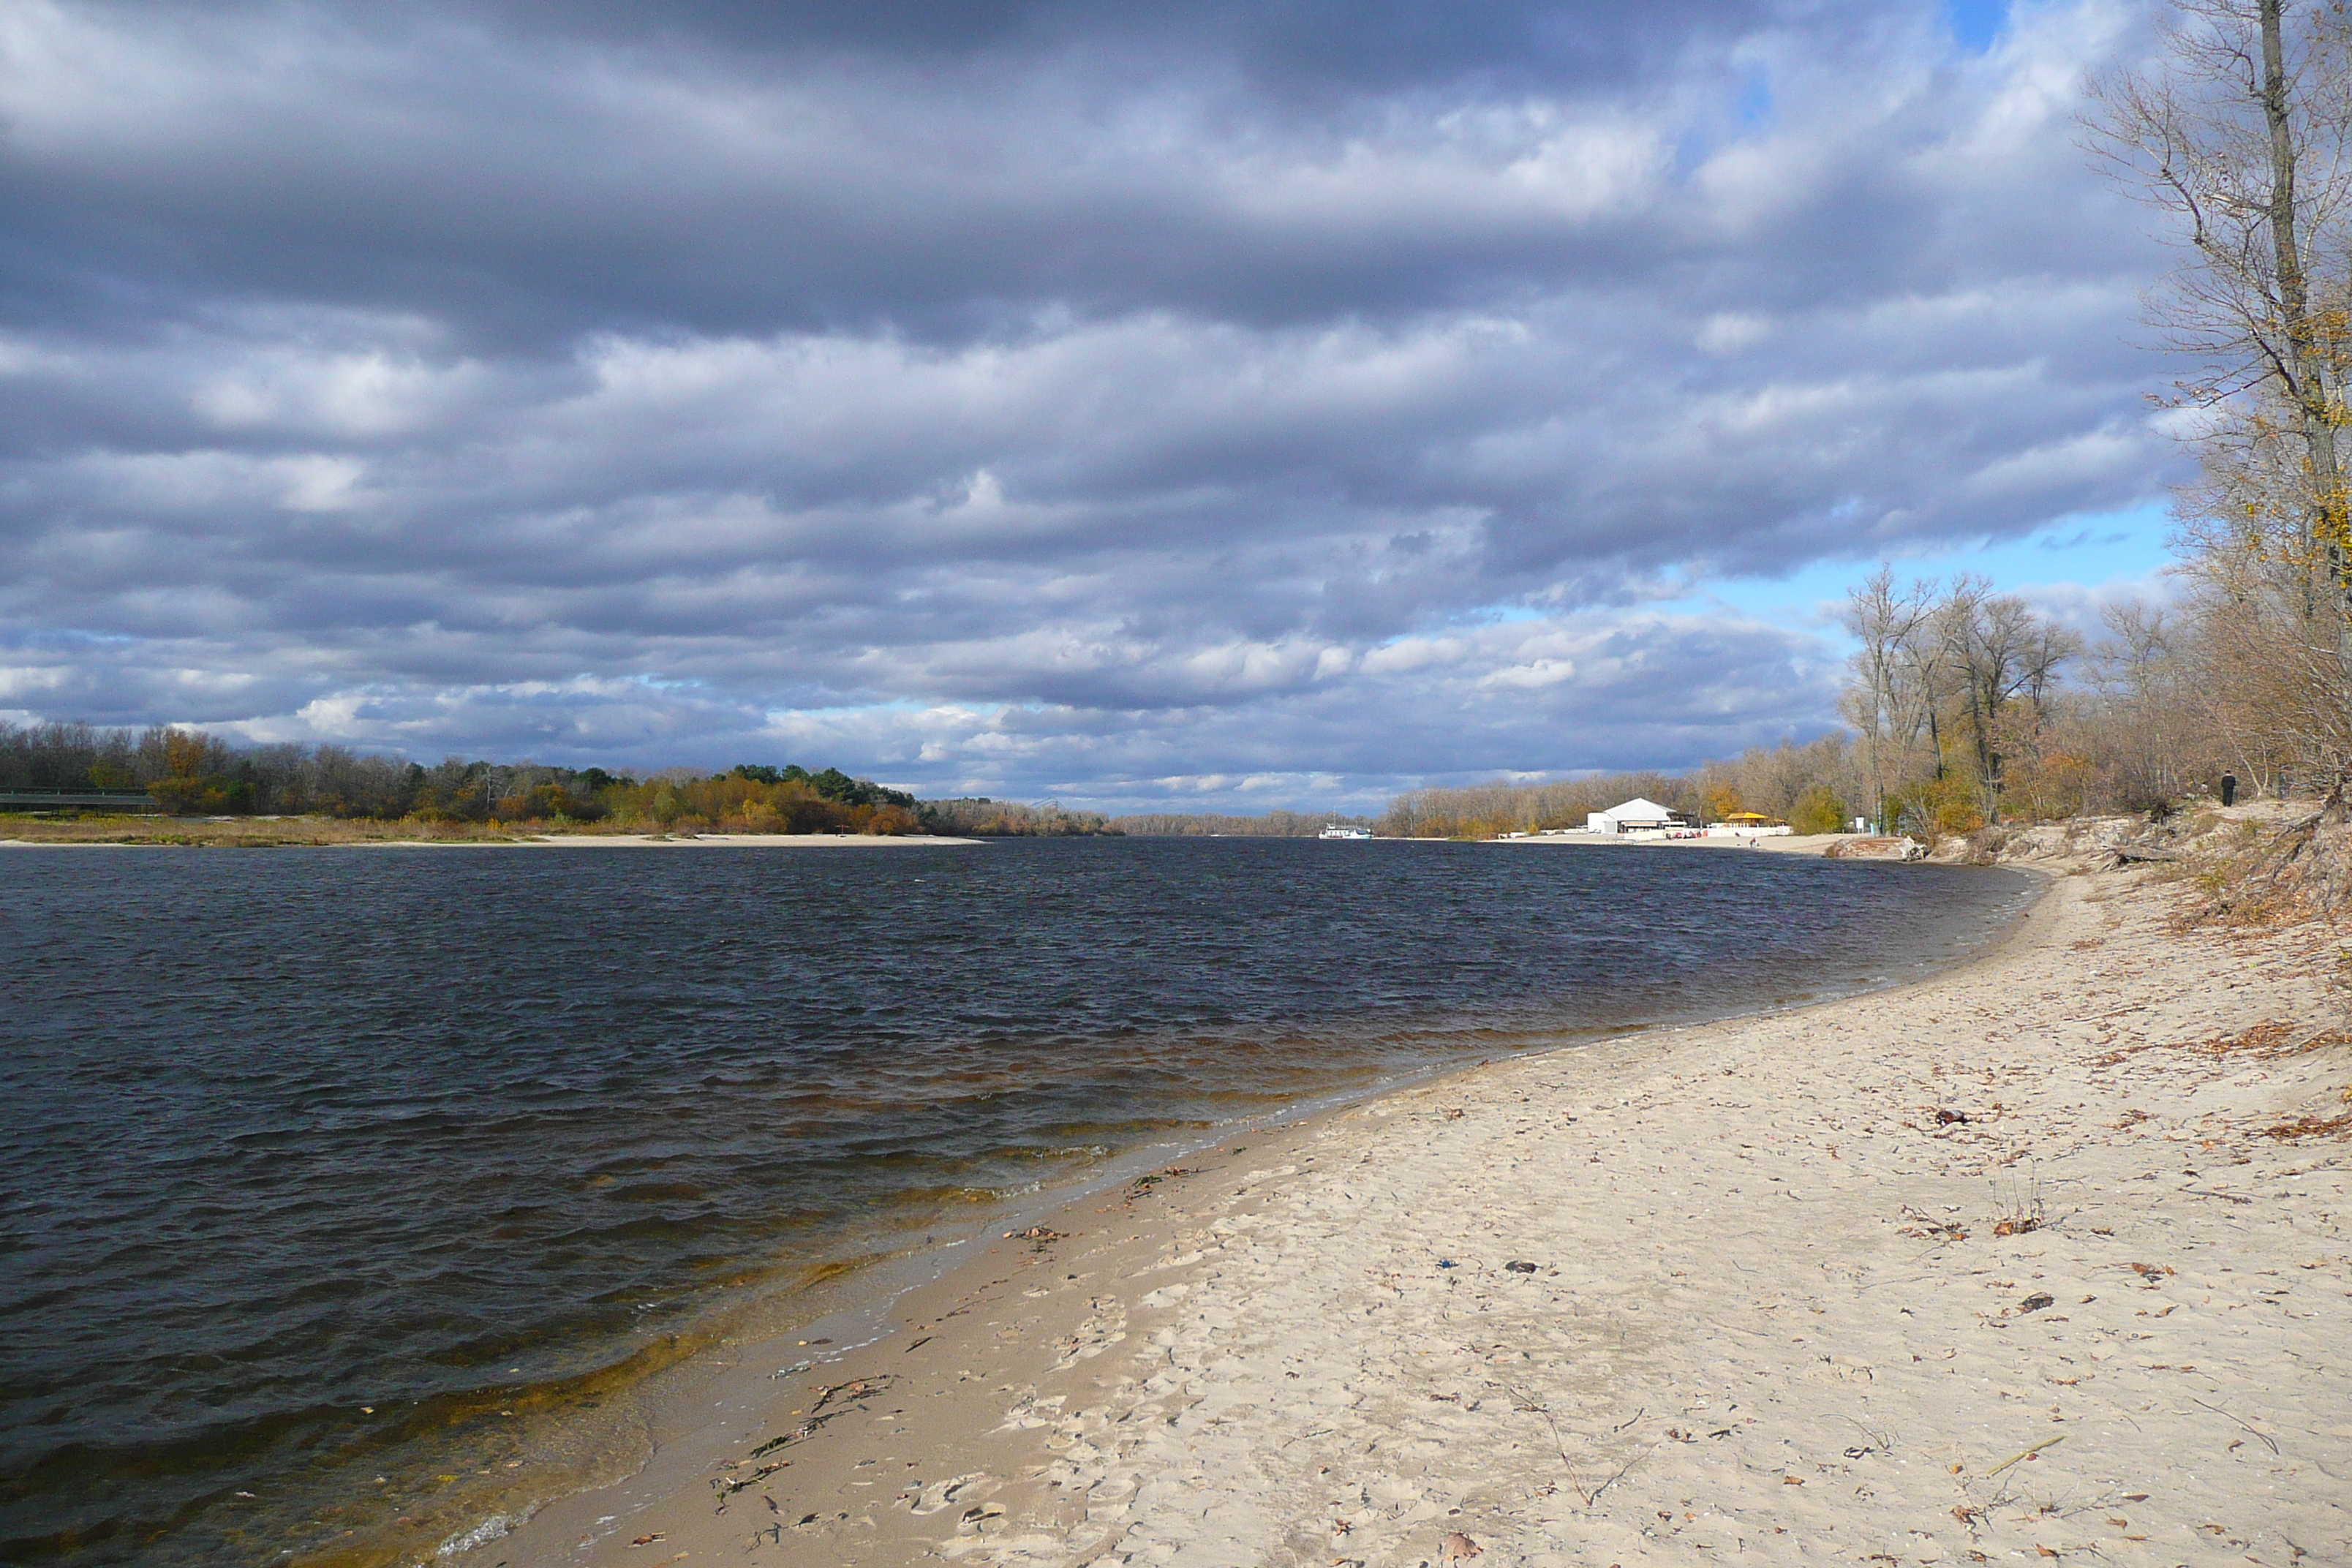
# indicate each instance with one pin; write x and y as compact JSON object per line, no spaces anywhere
{"x":1458,"y":1546}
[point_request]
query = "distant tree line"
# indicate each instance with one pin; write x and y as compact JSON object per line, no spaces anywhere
{"x":1273,"y":824}
{"x":1970,"y":709}
{"x":188,"y":772}
{"x":1488,"y":810}
{"x":1805,"y":785}
{"x":977,"y":817}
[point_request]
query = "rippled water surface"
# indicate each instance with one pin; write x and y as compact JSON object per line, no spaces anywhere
{"x":337,"y":1182}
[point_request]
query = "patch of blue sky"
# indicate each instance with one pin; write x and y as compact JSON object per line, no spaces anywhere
{"x":1497,"y":614}
{"x":2113,"y":552}
{"x":48,"y":635}
{"x":1975,"y":24}
{"x":849,"y":709}
{"x":1752,"y":111}
{"x":2091,"y":552}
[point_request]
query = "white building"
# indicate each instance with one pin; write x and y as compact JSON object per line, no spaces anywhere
{"x":1636,"y":815}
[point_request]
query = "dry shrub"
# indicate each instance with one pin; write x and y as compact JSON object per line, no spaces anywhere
{"x":2302,"y":872}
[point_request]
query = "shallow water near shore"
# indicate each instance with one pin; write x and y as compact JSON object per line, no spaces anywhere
{"x":348,"y":1197}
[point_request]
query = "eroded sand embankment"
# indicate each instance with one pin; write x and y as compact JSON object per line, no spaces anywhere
{"x":1774,"y":1312}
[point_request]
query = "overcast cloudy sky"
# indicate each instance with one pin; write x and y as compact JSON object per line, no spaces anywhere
{"x":1216,"y":403}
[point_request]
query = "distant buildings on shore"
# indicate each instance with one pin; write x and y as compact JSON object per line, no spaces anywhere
{"x":1646,"y":818}
{"x":1639,"y":814}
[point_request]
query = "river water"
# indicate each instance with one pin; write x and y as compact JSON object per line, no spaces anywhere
{"x":348,"y":1194}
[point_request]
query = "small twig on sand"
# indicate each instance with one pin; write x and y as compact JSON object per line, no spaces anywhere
{"x":1594,"y":1494}
{"x":1883,"y":1441}
{"x":1559,"y":1447}
{"x":2219,"y":1411}
{"x":2023,"y":1454}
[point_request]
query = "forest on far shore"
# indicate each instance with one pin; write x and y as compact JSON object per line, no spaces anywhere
{"x":186,"y":773}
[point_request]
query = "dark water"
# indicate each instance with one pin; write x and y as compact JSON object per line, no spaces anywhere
{"x":350,"y":1180}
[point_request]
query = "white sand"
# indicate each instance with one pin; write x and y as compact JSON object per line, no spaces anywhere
{"x":1773,"y":844}
{"x":1754,"y":1332}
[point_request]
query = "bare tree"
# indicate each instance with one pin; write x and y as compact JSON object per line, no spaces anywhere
{"x":2001,"y":652}
{"x":1948,"y":679}
{"x":2242,"y":137}
{"x":1882,"y":702}
{"x":2004,"y":653}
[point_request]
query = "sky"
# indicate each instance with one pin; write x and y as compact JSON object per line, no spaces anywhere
{"x":1217,"y":404}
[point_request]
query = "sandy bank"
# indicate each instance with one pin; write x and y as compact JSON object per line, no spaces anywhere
{"x":1783,"y":844}
{"x":1728,"y":1293}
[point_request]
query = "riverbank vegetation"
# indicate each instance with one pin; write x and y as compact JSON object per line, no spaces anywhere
{"x":329,"y":795}
{"x":1968,"y":709}
{"x":188,"y":774}
{"x":977,"y":817}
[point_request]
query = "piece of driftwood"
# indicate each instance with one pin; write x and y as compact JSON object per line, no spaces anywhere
{"x":2129,"y":854}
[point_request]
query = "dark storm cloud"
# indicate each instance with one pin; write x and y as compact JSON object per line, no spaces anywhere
{"x":1303,"y":45}
{"x":1022,"y":395}
{"x":905,"y":165}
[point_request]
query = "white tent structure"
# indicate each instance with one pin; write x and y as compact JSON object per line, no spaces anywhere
{"x":1637,"y":814}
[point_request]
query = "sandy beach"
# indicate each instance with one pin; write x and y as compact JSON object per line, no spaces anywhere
{"x":2040,"y":1259}
{"x":1770,"y":844}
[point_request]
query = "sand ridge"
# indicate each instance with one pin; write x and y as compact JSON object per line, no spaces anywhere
{"x":1768,"y":1307}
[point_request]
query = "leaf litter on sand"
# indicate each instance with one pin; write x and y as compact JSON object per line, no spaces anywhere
{"x":846,"y":1396}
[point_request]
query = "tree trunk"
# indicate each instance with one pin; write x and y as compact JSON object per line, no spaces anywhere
{"x":2305,"y":366}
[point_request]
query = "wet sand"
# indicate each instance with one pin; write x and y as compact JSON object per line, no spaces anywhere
{"x":2018,"y":1263}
